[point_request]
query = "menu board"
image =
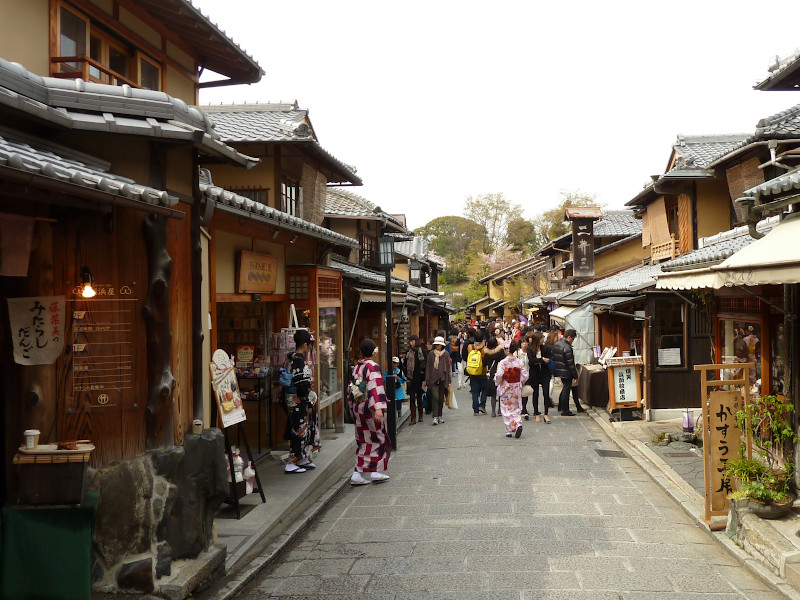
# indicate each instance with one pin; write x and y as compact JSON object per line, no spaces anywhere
{"x":103,"y":336}
{"x":226,"y":389}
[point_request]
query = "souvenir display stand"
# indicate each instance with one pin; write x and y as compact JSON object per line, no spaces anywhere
{"x":231,"y":412}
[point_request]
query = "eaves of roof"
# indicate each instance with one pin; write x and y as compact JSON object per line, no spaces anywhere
{"x":360,"y":274}
{"x":344,"y":203}
{"x":632,"y":280}
{"x":784,"y":185}
{"x":511,"y":269}
{"x":47,"y":169}
{"x":216,"y":50}
{"x":471,"y":304}
{"x":239,"y":205}
{"x":76,"y":105}
{"x":783,"y":73}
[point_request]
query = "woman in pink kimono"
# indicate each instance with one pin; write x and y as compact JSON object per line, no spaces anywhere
{"x":511,"y":374}
{"x":374,"y":448}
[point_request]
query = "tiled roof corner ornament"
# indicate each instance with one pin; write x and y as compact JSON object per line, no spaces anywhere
{"x":298,"y":128}
{"x":774,"y":64}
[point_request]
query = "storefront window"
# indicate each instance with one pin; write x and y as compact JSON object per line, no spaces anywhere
{"x":329,"y":352}
{"x":669,"y":333}
{"x":741,"y":343}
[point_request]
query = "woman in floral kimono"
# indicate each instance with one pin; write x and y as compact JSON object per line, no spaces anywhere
{"x":374,"y":448}
{"x":511,"y":373}
{"x":302,"y":426}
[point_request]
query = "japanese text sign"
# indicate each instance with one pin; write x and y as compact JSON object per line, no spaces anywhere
{"x":724,"y":441}
{"x":37,"y":329}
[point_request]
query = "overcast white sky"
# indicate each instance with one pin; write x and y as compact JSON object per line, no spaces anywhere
{"x":438,"y":100}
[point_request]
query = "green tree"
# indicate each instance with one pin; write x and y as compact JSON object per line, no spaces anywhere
{"x":550,"y":225}
{"x":450,"y":236}
{"x":492,"y":212}
{"x":522,"y":235}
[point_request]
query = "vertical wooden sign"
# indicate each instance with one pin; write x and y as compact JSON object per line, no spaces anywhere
{"x":725,"y":438}
{"x":582,"y":248}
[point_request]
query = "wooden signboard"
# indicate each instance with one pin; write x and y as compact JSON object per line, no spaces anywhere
{"x":721,"y":437}
{"x":624,"y":386}
{"x":226,"y":389}
{"x":257,"y":273}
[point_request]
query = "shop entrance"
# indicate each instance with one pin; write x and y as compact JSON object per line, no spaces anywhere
{"x":244,"y":331}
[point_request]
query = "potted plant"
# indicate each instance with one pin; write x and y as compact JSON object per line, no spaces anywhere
{"x":764,"y":482}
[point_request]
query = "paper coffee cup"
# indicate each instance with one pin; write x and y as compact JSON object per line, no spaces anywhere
{"x":31,"y":438}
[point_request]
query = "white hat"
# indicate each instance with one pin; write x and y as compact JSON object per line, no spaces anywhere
{"x":395,"y":359}
{"x":439,"y":340}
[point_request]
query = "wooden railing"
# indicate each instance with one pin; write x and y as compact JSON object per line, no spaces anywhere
{"x":665,"y":250}
{"x":81,"y":67}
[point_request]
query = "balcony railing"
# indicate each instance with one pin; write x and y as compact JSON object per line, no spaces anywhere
{"x":87,"y":69}
{"x":665,"y":251}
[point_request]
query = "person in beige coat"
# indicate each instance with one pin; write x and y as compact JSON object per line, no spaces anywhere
{"x":438,"y":377}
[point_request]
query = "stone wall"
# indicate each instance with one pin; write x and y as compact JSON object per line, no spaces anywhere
{"x":155,"y":509}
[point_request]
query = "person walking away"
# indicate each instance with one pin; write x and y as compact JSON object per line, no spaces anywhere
{"x":462,"y":345}
{"x":550,"y":341}
{"x":565,"y":369}
{"x":455,"y":353}
{"x":399,"y":380}
{"x":476,"y":371}
{"x":522,"y":354}
{"x":415,"y":372}
{"x":373,"y":447}
{"x":495,"y":352}
{"x":438,"y":378}
{"x":302,"y":425}
{"x":540,"y":375}
{"x":511,"y":372}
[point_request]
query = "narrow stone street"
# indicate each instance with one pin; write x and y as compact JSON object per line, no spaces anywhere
{"x":472,"y":515}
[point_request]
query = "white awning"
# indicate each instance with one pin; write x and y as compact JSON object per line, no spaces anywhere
{"x":560,"y":314}
{"x":773,"y":259}
{"x":690,"y":279}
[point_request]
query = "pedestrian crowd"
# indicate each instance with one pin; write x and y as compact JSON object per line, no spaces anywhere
{"x":505,"y":363}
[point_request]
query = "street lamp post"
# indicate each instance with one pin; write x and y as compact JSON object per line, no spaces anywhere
{"x":386,"y":260}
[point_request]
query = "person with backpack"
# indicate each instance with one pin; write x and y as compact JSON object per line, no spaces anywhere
{"x":415,"y":372}
{"x":511,"y":373}
{"x":369,"y":405}
{"x":477,"y":374}
{"x":399,"y":380}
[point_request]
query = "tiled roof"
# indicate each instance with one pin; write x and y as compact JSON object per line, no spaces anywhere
{"x":716,"y":248}
{"x":74,"y":104}
{"x":780,"y":69}
{"x":617,"y":223}
{"x":417,"y":248}
{"x":351,"y":271}
{"x":627,"y":281}
{"x":236,"y":204}
{"x":19,"y":155}
{"x":785,"y":124}
{"x":272,"y":123}
{"x":777,"y":186}
{"x":700,"y":151}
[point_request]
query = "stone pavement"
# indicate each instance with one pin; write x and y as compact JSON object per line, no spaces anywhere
{"x":469,"y":514}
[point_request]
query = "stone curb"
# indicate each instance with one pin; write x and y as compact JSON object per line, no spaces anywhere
{"x":689,"y":500}
{"x":235,"y":583}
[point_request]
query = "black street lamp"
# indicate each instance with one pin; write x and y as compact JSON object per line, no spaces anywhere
{"x":413,"y":268}
{"x":386,"y":261}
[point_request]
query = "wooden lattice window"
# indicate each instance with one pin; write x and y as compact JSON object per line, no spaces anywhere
{"x":290,"y":195}
{"x":298,"y":287}
{"x":739,"y":305}
{"x":685,"y":233}
{"x":328,"y":287}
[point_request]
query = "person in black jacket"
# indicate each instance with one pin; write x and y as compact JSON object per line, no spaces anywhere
{"x":416,"y":358}
{"x":566,"y":370}
{"x":302,"y":426}
{"x":539,"y":367}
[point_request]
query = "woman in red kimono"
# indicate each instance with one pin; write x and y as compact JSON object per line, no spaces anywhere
{"x":374,"y":448}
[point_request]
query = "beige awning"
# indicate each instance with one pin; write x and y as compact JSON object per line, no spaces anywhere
{"x":773,"y":259}
{"x":691,"y":279}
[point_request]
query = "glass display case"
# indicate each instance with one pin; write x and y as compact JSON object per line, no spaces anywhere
{"x":329,"y":353}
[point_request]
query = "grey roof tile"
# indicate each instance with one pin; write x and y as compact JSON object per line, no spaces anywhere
{"x":716,"y":248}
{"x":17,"y":154}
{"x":339,"y":201}
{"x":779,"y":66}
{"x":617,"y":223}
{"x":699,"y":151}
{"x":627,"y":281}
{"x":77,"y":105}
{"x":787,"y":182}
{"x":227,"y":200}
{"x":360,"y":273}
